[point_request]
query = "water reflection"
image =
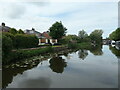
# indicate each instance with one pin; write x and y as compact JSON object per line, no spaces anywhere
{"x":82,"y":54}
{"x":92,"y":66}
{"x":57,"y":64}
{"x":97,"y":50}
{"x":115,"y":51}
{"x":9,"y":73}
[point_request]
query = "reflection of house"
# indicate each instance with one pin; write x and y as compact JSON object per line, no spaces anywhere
{"x":117,"y":42}
{"x":44,"y":37}
{"x":106,"y":41}
{"x":4,"y":28}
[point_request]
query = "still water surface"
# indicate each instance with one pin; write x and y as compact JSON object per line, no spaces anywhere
{"x":97,"y":68}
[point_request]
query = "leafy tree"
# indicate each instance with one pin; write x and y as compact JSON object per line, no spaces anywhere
{"x":57,"y":30}
{"x":96,"y":36}
{"x":115,"y":35}
{"x":13,"y":31}
{"x":20,"y":31}
{"x":82,"y":34}
{"x":71,"y":38}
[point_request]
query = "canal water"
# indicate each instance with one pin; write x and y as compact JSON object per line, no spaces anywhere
{"x":95,"y":68}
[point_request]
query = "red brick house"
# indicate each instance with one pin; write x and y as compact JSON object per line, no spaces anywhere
{"x":46,"y":39}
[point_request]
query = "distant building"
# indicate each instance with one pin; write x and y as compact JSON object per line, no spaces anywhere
{"x":4,"y":28}
{"x":44,"y":37}
{"x":107,"y":41}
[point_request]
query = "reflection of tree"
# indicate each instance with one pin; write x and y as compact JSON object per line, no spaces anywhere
{"x":115,"y":51}
{"x":9,"y":73}
{"x":82,"y":54}
{"x":97,"y":50}
{"x":57,"y":64}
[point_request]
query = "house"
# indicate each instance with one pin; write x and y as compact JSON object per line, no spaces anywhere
{"x":44,"y":37}
{"x":4,"y":28}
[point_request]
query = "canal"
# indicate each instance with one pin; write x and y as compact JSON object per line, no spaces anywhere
{"x":94,"y":68}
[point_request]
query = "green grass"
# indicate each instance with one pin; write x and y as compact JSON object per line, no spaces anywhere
{"x":84,"y":45}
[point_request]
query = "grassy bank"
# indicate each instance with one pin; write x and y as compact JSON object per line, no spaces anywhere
{"x":22,"y":54}
{"x":84,"y":45}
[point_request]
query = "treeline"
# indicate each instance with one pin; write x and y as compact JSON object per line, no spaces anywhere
{"x":94,"y":38}
{"x":115,"y":35}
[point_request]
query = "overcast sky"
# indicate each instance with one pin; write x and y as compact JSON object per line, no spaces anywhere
{"x":75,"y":16}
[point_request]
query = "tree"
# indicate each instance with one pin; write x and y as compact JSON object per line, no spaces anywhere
{"x":13,"y":31}
{"x":57,"y":30}
{"x":115,"y":35}
{"x":82,"y":34}
{"x":96,"y":36}
{"x":20,"y":31}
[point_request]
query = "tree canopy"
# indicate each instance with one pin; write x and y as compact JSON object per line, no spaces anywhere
{"x":57,"y":30}
{"x":115,"y":35}
{"x":96,"y":36}
{"x":82,"y":34}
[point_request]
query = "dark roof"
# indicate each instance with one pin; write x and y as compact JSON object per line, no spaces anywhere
{"x":4,"y":28}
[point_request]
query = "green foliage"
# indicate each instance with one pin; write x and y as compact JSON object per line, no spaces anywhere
{"x":13,"y":31}
{"x":82,"y":34}
{"x":96,"y":36}
{"x":69,"y":38}
{"x":84,"y":45}
{"x":26,"y":41}
{"x":73,"y":45}
{"x":6,"y":46}
{"x":115,"y":35}
{"x":20,"y":31}
{"x":57,"y":30}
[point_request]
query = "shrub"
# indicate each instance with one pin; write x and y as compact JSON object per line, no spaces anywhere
{"x":26,"y":41}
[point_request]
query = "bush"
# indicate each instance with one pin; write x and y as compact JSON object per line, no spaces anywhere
{"x":73,"y":45}
{"x":26,"y":41}
{"x":7,"y":46}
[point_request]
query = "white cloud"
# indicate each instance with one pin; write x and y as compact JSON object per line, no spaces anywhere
{"x":75,"y":16}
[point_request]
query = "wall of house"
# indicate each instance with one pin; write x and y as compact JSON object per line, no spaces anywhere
{"x":44,"y":41}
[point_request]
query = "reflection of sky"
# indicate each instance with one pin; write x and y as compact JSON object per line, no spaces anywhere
{"x":94,"y":71}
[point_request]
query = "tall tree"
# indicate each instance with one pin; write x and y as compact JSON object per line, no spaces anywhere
{"x":96,"y":36}
{"x":57,"y":30}
{"x":82,"y":34}
{"x":115,"y":35}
